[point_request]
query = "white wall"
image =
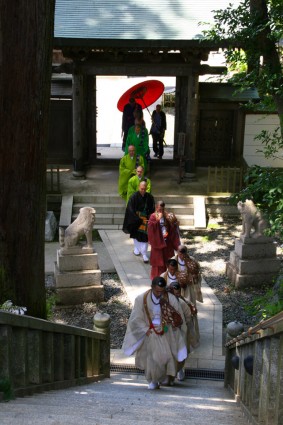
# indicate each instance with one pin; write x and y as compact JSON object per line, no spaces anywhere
{"x":109,"y":118}
{"x":254,"y":124}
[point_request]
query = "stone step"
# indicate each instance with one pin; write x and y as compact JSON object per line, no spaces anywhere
{"x":115,"y":199}
{"x":110,"y":209}
{"x":104,"y":208}
{"x":125,"y":400}
{"x":117,"y":219}
{"x":120,"y":226}
{"x":98,"y":198}
{"x":101,"y":208}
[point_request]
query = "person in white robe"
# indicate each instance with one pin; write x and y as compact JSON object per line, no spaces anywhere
{"x":189,"y":275}
{"x":156,"y":334}
{"x":172,"y":276}
{"x":190,"y":314}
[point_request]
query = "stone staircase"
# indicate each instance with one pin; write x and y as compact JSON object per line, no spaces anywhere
{"x":110,"y":209}
{"x":125,"y":400}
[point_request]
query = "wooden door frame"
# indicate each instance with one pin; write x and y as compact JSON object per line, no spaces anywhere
{"x":238,"y":126}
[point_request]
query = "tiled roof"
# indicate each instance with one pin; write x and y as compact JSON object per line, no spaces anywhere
{"x":134,"y":19}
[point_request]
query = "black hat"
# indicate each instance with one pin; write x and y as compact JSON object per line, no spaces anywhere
{"x":158,"y":281}
{"x":175,"y":285}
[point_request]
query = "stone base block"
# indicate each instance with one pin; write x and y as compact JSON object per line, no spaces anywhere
{"x":83,"y":294}
{"x":247,"y":280}
{"x":77,"y":278}
{"x":77,"y":262}
{"x":255,"y":240}
{"x":254,"y":251}
{"x":76,"y":250}
{"x":255,"y":266}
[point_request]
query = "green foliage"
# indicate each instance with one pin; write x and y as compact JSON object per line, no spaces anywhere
{"x":51,"y":300}
{"x":272,"y":143}
{"x":265,"y":189}
{"x":6,"y":389}
{"x":269,"y":304}
{"x":213,"y":226}
{"x":250,"y":33}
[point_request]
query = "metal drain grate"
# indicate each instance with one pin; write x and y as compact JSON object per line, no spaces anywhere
{"x":208,"y":374}
{"x":212,"y":374}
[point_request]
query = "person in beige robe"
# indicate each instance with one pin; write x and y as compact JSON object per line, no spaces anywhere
{"x":190,"y":315}
{"x":172,"y":276}
{"x":157,"y":341}
{"x":189,"y":275}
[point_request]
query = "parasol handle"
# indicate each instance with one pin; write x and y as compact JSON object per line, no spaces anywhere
{"x":144,"y":104}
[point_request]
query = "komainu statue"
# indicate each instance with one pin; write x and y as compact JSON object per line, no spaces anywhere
{"x":83,"y":225}
{"x":251,"y":218}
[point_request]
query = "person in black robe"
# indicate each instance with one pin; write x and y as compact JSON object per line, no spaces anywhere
{"x":130,"y":111}
{"x":140,"y":206}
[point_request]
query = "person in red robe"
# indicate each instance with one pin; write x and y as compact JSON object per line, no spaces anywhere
{"x":164,"y":238}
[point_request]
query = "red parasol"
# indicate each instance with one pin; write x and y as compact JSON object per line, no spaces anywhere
{"x":145,"y":93}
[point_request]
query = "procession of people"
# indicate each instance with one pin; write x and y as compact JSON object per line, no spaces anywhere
{"x":163,"y":328}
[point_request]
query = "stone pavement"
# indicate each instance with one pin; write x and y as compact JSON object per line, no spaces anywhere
{"x":125,"y":400}
{"x":116,"y":253}
{"x":135,"y":276}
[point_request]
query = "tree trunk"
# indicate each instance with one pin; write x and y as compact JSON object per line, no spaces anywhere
{"x":26,"y":34}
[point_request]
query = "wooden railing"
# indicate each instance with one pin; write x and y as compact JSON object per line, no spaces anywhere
{"x":254,"y":371}
{"x":224,"y":179}
{"x":38,"y":355}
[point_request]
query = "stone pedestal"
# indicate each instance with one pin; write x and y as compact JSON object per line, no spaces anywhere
{"x":253,"y":262}
{"x":77,"y":276}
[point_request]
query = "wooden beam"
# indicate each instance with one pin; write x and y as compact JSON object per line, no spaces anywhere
{"x":142,"y":69}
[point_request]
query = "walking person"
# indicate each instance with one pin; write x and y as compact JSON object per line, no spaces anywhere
{"x":193,"y":335}
{"x":156,"y":334}
{"x":134,"y":182}
{"x":164,"y":238}
{"x":157,"y":131}
{"x":138,"y":137}
{"x":127,"y":166}
{"x":172,"y":277}
{"x":128,"y":118}
{"x":140,"y":206}
{"x":189,"y":275}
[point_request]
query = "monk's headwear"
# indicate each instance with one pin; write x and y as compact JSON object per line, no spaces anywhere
{"x":175,"y":285}
{"x":158,"y":281}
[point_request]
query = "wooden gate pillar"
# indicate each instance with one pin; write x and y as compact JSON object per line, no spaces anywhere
{"x":186,"y":120}
{"x":91,"y":114}
{"x":78,"y":125}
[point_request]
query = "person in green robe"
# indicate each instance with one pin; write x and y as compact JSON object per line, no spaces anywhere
{"x":127,"y":168}
{"x":138,"y":137}
{"x":134,"y":182}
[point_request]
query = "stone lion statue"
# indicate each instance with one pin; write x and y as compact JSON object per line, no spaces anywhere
{"x":83,"y":225}
{"x":251,"y":218}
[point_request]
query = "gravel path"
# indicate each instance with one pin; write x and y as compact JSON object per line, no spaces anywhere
{"x":211,"y":247}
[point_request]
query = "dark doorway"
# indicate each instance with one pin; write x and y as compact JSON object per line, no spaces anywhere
{"x":215,"y":137}
{"x":60,"y":141}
